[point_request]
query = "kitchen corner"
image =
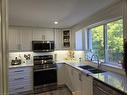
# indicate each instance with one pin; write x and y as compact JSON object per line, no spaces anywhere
{"x":68,"y":63}
{"x":115,"y":82}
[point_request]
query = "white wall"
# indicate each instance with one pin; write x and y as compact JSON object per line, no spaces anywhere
{"x":110,"y":12}
{"x":3,"y":47}
{"x":78,"y":40}
{"x":106,"y":14}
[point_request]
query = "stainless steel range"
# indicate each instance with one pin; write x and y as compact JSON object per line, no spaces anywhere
{"x":45,"y":73}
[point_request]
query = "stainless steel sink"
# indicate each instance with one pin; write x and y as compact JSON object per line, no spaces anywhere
{"x":95,"y":71}
{"x":86,"y":67}
{"x":92,"y":69}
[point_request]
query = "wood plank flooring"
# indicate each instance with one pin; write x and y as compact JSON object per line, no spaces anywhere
{"x":59,"y":91}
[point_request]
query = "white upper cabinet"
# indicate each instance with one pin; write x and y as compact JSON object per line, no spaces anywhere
{"x":58,"y":39}
{"x":66,"y":39}
{"x":20,"y":39}
{"x":63,"y":39}
{"x":43,"y":34}
{"x":26,"y":39}
{"x":14,"y":39}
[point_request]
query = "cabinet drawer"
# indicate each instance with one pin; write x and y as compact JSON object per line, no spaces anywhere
{"x":20,"y":82}
{"x":20,"y":78}
{"x":20,"y":88}
{"x":20,"y":72}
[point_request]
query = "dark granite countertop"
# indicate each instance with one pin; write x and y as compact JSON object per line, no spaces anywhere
{"x":114,"y":80}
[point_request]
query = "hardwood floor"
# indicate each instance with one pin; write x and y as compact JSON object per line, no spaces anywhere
{"x":59,"y":91}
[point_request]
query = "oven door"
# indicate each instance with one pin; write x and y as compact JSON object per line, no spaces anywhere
{"x":45,"y":77}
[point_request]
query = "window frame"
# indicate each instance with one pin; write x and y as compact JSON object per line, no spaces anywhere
{"x":105,"y":37}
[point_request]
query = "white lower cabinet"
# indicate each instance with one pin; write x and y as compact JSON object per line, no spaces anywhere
{"x":77,"y":82}
{"x":60,"y":74}
{"x":20,"y":80}
{"x":87,"y":85}
{"x":69,"y":77}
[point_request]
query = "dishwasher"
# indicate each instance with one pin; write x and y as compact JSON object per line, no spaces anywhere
{"x":100,"y":88}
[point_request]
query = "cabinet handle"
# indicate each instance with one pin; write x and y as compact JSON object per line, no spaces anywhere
{"x":72,"y":72}
{"x":19,"y":46}
{"x":103,"y":90}
{"x":19,"y":88}
{"x":19,"y":71}
{"x":19,"y":78}
{"x":80,"y":77}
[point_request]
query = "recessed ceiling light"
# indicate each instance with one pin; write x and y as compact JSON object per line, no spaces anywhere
{"x":55,"y":22}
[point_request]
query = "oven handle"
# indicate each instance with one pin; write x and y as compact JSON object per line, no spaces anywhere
{"x":45,"y":69}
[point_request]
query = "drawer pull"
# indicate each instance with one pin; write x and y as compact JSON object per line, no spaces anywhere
{"x":19,"y":71}
{"x":19,"y":78}
{"x":19,"y":88}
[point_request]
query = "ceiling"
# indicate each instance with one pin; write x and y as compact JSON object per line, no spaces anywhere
{"x":42,"y":13}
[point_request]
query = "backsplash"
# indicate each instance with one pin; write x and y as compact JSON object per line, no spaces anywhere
{"x":62,"y":55}
{"x":25,"y":57}
{"x":65,"y":55}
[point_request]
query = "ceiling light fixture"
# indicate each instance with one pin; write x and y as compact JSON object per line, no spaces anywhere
{"x":55,"y":22}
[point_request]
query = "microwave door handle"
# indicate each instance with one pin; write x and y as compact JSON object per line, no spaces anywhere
{"x":50,"y":46}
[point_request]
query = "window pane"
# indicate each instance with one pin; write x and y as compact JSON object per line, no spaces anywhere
{"x":115,"y":41}
{"x":97,"y":41}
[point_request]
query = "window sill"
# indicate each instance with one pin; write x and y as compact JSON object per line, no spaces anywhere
{"x":108,"y":65}
{"x":112,"y":66}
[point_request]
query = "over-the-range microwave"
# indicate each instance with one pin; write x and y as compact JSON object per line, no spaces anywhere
{"x":43,"y":46}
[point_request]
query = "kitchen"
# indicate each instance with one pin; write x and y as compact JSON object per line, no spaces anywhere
{"x":50,"y":50}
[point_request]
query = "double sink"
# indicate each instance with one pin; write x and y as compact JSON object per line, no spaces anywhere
{"x":92,"y":69}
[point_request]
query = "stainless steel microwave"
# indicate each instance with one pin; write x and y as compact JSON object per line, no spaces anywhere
{"x":43,"y":46}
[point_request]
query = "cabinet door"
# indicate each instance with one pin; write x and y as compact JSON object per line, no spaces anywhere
{"x":58,"y":39}
{"x":77,"y":81}
{"x":69,"y":76}
{"x":87,"y":85}
{"x":49,"y":34}
{"x":60,"y":74}
{"x":43,"y":34}
{"x":66,"y":39}
{"x":14,"y":39}
{"x":26,"y":39}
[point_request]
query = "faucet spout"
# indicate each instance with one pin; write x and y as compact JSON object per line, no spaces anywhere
{"x":93,"y":57}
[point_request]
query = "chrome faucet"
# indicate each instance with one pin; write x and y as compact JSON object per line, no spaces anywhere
{"x":97,"y":59}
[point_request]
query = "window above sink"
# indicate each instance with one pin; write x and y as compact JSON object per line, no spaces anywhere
{"x":106,"y":41}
